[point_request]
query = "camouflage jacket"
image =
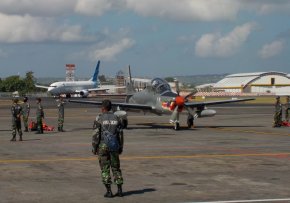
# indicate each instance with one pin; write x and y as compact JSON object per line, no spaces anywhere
{"x":110,"y":122}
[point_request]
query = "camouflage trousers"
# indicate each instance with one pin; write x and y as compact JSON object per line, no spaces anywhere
{"x":109,"y":160}
{"x":39,"y":124}
{"x":277,"y":119}
{"x":16,"y":127}
{"x":60,"y":122}
{"x":287,"y":115}
{"x":25,"y":121}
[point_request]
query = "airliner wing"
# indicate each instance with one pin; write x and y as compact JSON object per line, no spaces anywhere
{"x":41,"y":86}
{"x":92,"y":89}
{"x":116,"y":104}
{"x":198,"y":104}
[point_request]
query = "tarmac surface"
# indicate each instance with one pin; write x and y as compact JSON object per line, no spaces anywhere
{"x":235,"y":156}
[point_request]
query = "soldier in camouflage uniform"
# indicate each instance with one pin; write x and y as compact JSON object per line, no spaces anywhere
{"x":16,"y":120}
{"x":25,"y":113}
{"x":278,"y":113}
{"x":287,"y":107}
{"x":39,"y":116}
{"x":60,"y":106}
{"x":108,"y":159}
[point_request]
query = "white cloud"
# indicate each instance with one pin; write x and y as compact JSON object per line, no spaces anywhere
{"x":209,"y":10}
{"x":93,"y":7}
{"x":188,"y":10}
{"x":37,"y":7}
{"x":108,"y":52}
{"x":216,"y":45}
{"x":15,"y":29}
{"x":272,"y":49}
{"x":266,"y":6}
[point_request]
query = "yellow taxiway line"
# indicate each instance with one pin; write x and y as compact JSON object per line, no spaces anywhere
{"x":249,"y":131}
{"x":147,"y":157}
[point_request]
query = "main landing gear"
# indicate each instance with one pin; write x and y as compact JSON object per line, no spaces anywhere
{"x":190,"y":121}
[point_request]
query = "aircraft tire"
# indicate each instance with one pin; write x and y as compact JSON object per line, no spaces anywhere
{"x":176,"y":126}
{"x":189,"y":123}
{"x":125,"y":123}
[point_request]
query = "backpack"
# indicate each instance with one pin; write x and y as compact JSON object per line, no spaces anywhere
{"x":110,"y":139}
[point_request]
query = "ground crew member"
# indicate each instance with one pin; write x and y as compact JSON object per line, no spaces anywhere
{"x":60,"y":106}
{"x":278,"y":113}
{"x":287,"y":107}
{"x":108,"y":123}
{"x":25,"y":113}
{"x":16,"y":120}
{"x":39,"y":116}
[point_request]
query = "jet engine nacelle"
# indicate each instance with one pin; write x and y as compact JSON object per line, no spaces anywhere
{"x":123,"y":117}
{"x":84,"y":93}
{"x":207,"y":113}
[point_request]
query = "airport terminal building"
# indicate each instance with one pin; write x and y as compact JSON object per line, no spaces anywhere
{"x":259,"y":82}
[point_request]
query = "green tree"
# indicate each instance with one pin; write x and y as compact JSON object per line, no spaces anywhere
{"x":29,"y":82}
{"x":1,"y":84}
{"x":13,"y":83}
{"x":169,"y":79}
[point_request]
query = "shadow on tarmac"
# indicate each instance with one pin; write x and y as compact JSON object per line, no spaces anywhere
{"x":138,"y":192}
{"x":232,"y":126}
{"x":143,"y":126}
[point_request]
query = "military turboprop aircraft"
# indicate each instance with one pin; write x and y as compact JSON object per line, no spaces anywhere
{"x":158,"y":98}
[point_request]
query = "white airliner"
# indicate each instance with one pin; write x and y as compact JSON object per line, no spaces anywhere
{"x":83,"y":88}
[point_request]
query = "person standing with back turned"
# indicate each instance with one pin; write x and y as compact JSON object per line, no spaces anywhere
{"x":60,"y":107}
{"x":278,"y":113}
{"x":107,"y":143}
{"x":39,"y":116}
{"x":25,"y":112}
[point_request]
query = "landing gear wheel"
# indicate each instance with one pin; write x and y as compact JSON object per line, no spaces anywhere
{"x":125,"y":123}
{"x":176,"y":126}
{"x":189,"y":121}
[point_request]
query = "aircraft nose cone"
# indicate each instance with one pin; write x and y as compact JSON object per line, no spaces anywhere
{"x":179,"y":101}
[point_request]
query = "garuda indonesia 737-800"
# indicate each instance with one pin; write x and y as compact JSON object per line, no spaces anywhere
{"x":83,"y":88}
{"x":158,"y":98}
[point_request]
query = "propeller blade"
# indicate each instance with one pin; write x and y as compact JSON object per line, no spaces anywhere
{"x":174,"y":115}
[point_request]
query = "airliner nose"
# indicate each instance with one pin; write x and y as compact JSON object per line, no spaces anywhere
{"x":50,"y":89}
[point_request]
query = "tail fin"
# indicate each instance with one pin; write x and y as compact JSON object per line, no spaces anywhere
{"x":130,"y":86}
{"x":96,"y":73}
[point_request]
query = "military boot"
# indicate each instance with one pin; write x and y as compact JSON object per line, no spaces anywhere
{"x":20,"y":138}
{"x":120,"y":192}
{"x":13,"y":138}
{"x":109,"y":193}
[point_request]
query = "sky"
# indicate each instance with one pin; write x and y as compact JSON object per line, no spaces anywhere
{"x":155,"y":37}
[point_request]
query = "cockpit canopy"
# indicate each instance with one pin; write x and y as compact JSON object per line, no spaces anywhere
{"x":160,"y":86}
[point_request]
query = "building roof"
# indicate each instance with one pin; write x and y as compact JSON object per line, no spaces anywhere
{"x":243,"y":79}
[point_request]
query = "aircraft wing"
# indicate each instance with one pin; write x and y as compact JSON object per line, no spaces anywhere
{"x":197,"y":104}
{"x":92,"y":89}
{"x":41,"y":86}
{"x":116,"y":104}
